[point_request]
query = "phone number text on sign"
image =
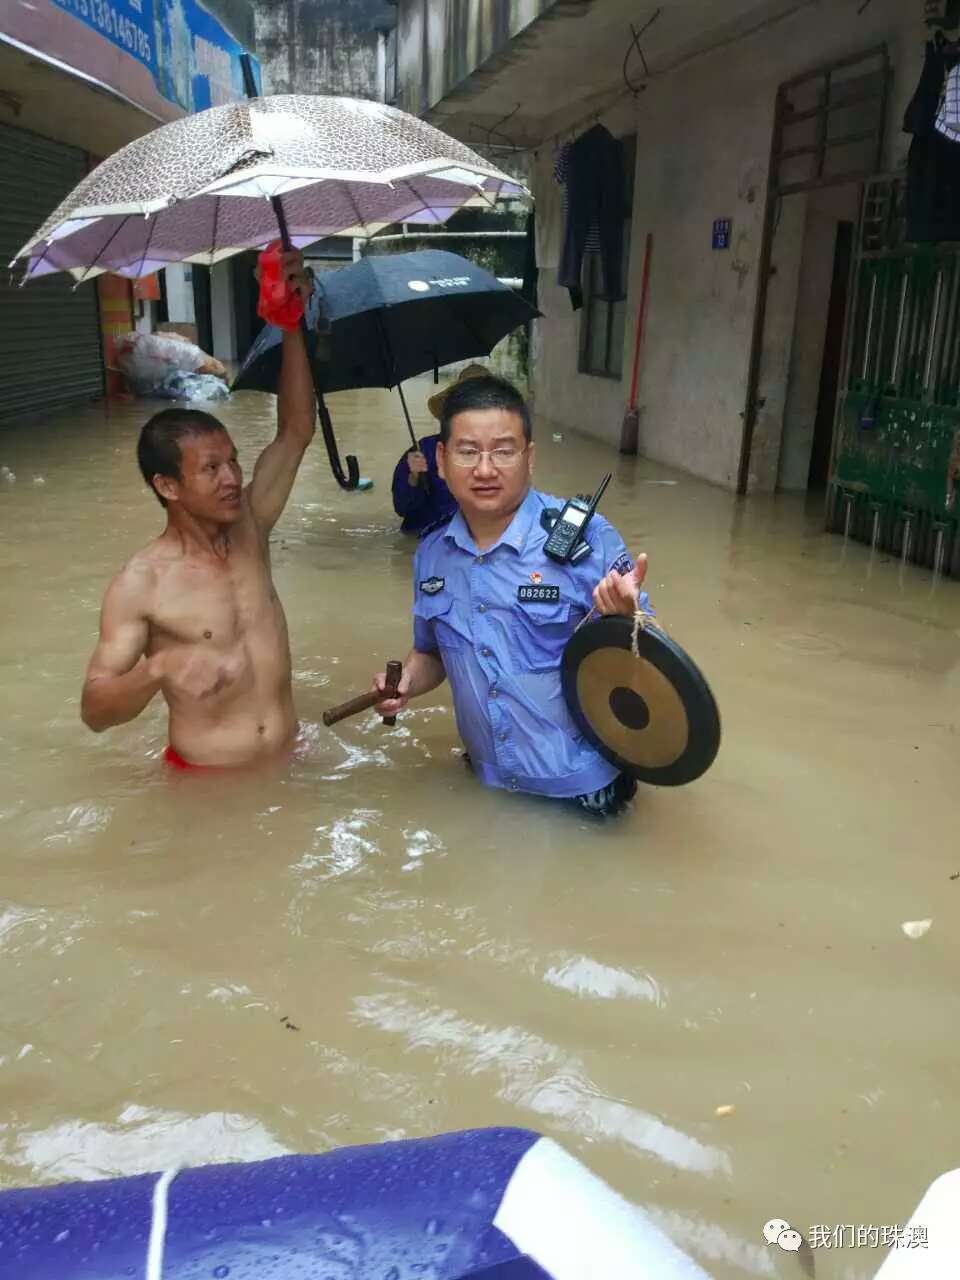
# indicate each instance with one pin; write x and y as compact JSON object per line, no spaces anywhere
{"x":125,"y":32}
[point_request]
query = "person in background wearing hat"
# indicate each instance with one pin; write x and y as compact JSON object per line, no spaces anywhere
{"x":422,"y":505}
{"x":493,"y":614}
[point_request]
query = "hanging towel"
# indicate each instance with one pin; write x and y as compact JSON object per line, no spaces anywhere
{"x":596,"y":196}
{"x":948,"y":117}
{"x":933,"y":163}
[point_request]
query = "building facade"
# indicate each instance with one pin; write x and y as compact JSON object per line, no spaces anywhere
{"x":343,"y":47}
{"x":755,"y":134}
{"x":80,"y":79}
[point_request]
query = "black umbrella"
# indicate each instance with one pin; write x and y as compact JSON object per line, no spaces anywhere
{"x":389,"y":317}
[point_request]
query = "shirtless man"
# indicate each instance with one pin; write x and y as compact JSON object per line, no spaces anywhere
{"x":194,"y":615}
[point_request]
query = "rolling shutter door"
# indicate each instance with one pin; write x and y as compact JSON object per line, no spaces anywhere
{"x":50,"y":354}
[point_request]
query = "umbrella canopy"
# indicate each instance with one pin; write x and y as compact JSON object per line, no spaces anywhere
{"x":389,"y":317}
{"x":199,"y":189}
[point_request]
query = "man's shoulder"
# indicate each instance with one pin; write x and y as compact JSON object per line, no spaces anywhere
{"x":608,"y":542}
{"x":544,"y":499}
{"x":148,"y":567}
{"x":144,"y":564}
{"x":432,"y":534}
{"x":135,"y":582}
{"x":538,"y":503}
{"x":600,"y":530}
{"x":552,"y":502}
{"x":605,"y":540}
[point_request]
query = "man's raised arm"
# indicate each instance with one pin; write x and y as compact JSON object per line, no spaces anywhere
{"x":277,"y":466}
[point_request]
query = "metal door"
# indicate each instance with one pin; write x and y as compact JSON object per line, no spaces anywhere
{"x":50,"y":354}
{"x":896,"y":465}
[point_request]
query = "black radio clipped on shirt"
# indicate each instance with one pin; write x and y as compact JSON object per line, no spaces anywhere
{"x":566,"y":543}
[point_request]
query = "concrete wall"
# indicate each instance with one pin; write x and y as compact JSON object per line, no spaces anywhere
{"x":703,"y":151}
{"x":323,"y":46}
{"x":236,"y":16}
{"x":442,"y":41}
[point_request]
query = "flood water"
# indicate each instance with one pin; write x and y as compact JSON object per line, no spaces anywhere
{"x":455,"y":957}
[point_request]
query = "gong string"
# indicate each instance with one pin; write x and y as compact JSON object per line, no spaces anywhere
{"x":640,"y":619}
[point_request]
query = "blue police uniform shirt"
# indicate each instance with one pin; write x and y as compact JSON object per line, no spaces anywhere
{"x":499,"y":620}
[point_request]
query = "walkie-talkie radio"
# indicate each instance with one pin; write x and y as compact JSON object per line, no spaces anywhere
{"x":571,"y":524}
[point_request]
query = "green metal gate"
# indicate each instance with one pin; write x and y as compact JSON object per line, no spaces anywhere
{"x":896,"y":469}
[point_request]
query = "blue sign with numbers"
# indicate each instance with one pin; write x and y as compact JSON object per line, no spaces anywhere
{"x":194,"y":61}
{"x":722,"y":228}
{"x":124,"y":24}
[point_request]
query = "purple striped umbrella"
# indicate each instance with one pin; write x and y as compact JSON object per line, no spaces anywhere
{"x":200,"y":189}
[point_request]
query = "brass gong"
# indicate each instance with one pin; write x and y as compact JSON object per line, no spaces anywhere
{"x":649,"y":712}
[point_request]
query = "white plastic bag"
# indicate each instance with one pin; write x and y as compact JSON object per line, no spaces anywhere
{"x":147,"y":360}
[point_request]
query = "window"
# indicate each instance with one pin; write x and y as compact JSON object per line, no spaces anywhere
{"x":602,"y":323}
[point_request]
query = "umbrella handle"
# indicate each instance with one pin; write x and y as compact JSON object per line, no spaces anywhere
{"x":424,"y":479}
{"x":352,"y":479}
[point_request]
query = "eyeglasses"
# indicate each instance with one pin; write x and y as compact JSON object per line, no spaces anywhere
{"x":503,"y":458}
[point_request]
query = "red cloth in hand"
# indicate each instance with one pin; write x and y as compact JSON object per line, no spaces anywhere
{"x":278,"y":304}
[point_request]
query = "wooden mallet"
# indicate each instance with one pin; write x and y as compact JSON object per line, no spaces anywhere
{"x":367,"y":700}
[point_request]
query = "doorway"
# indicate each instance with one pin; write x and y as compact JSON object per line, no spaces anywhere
{"x":831,"y":367}
{"x":806,"y":323}
{"x":828,"y":135}
{"x":246,"y":293}
{"x":203,"y":307}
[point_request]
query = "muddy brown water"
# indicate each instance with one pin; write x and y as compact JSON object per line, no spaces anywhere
{"x":455,"y":957}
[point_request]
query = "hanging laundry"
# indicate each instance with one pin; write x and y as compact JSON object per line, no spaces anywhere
{"x":933,"y":163}
{"x":948,"y":117}
{"x":561,"y":168}
{"x":596,"y":198}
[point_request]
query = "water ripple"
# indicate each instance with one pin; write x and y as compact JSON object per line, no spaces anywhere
{"x":582,"y":976}
{"x":13,"y":918}
{"x":583,"y":1110}
{"x":141,"y":1140}
{"x":538,"y":1077}
{"x":419,"y":844}
{"x":340,"y":847}
{"x":76,"y":823}
{"x":708,"y":1240}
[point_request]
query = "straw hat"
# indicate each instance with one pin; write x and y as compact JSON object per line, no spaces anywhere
{"x":435,"y":403}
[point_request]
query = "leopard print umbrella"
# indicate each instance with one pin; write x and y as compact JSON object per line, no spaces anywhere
{"x":198,"y":189}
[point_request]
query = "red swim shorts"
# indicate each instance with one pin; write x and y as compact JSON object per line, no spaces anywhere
{"x":176,"y":761}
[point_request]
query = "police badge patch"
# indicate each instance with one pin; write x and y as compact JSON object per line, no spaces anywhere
{"x":430,"y":586}
{"x":538,"y":595}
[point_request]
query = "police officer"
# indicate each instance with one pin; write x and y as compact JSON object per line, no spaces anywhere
{"x":492,"y":613}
